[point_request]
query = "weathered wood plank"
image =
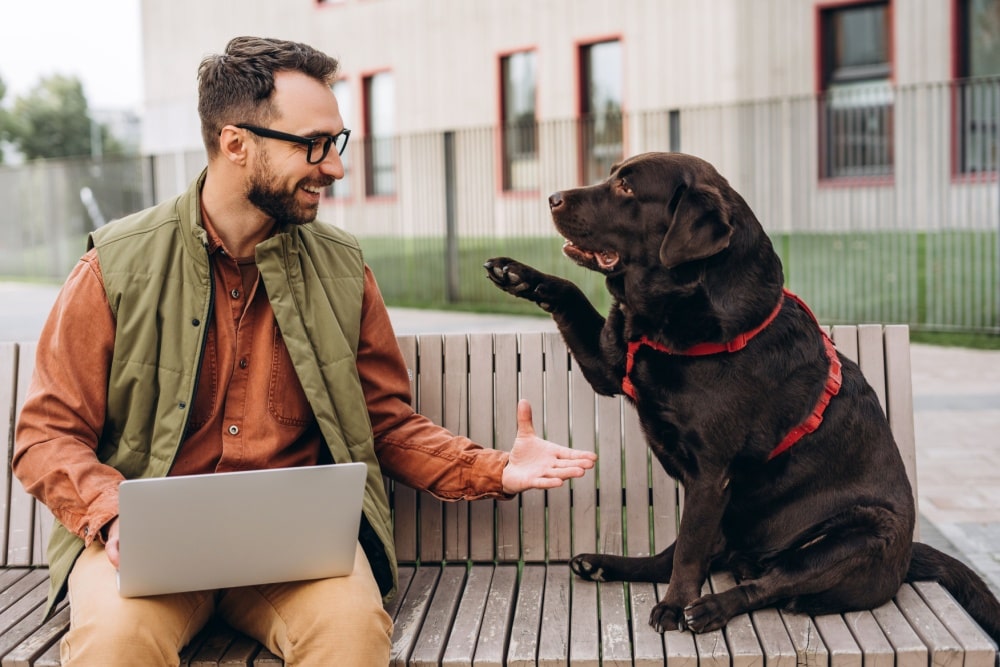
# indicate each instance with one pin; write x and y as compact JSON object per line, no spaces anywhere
{"x":533,"y":502}
{"x":412,"y":612}
{"x":744,"y":646}
{"x":436,"y":628}
{"x":554,"y":636}
{"x":910,"y":651}
{"x":810,"y":651}
{"x":616,"y":638}
{"x":461,"y":645}
{"x":497,"y":617}
{"x":524,"y":634}
{"x":557,"y":429}
{"x":844,"y":651}
{"x":404,"y":498}
{"x":647,"y":643}
{"x":508,"y":512}
{"x":945,"y":651}
{"x":979,"y":650}
{"x":875,"y":648}
{"x":481,"y":398}
{"x":585,"y":628}
{"x":8,"y":391}
{"x":455,"y":418}
{"x":430,"y":387}
{"x":36,"y":638}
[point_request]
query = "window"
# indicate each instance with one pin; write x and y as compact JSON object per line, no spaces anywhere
{"x":342,"y":91}
{"x":978,"y":89}
{"x":519,"y":123}
{"x":600,"y":109}
{"x":857,"y":99}
{"x":380,"y":140}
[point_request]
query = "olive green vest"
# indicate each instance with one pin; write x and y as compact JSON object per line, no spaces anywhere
{"x":159,"y":286}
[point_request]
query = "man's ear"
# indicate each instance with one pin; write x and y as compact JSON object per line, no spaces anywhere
{"x":700,"y":227}
{"x":233,"y":144}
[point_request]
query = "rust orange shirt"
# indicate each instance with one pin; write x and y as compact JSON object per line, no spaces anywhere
{"x":250,"y":411}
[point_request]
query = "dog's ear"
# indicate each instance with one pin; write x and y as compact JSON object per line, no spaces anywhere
{"x":700,"y":227}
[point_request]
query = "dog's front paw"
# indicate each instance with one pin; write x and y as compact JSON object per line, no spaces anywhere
{"x":666,"y":617}
{"x":705,"y":614}
{"x":521,"y":280}
{"x":588,"y":567}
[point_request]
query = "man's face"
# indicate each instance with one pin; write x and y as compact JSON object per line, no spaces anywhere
{"x":281,"y":183}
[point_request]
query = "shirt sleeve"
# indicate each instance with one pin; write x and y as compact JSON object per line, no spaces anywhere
{"x":55,"y":451}
{"x":410,"y":447}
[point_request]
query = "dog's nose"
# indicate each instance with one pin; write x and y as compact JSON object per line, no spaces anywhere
{"x":555,"y":200}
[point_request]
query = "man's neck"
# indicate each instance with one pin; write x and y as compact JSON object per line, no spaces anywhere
{"x":239,"y":224}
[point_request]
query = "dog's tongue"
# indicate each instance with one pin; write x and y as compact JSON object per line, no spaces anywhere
{"x":605,"y":260}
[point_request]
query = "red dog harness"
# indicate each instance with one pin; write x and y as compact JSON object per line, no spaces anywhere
{"x":811,"y":423}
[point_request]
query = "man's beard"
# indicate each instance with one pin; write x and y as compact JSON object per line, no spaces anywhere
{"x":264,"y":192}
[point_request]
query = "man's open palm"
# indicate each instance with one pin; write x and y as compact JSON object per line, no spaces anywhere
{"x":539,"y":464}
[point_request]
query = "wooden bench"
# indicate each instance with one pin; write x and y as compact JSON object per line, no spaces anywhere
{"x":486,"y":583}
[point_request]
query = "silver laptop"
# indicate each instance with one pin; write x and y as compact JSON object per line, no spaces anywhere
{"x":204,"y":532}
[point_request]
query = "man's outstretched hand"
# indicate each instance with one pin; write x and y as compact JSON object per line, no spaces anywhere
{"x":539,"y":464}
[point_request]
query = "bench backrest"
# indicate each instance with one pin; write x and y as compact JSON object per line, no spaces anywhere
{"x":471,"y":383}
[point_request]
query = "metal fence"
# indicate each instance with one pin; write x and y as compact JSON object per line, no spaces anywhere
{"x":884,"y":204}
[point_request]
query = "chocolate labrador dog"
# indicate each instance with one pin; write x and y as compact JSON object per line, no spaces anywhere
{"x":791,"y":476}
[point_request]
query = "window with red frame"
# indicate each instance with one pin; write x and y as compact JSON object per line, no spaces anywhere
{"x":600,"y":109}
{"x":519,"y":122}
{"x":380,"y":135}
{"x":856,"y":103}
{"x":977,"y":90}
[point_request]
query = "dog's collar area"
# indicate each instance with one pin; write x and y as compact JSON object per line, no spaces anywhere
{"x":811,"y":423}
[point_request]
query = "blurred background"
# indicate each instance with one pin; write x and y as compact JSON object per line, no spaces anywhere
{"x":864,"y":134}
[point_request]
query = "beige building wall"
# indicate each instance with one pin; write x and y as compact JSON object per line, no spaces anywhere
{"x":444,"y":53}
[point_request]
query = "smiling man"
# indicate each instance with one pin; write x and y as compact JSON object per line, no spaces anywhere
{"x":183,"y":343}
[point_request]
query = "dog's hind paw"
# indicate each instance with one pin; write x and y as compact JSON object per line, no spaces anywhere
{"x":585,"y":569}
{"x":705,"y":614}
{"x":664,"y":617}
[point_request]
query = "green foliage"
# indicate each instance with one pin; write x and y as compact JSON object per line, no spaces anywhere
{"x":54,"y":121}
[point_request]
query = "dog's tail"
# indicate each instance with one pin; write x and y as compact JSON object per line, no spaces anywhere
{"x":929,"y":564}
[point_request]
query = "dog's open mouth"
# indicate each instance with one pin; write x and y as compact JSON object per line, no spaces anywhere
{"x":605,"y":260}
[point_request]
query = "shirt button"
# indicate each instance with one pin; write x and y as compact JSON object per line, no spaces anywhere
{"x":235,"y":294}
{"x":234,"y":429}
{"x":244,"y":363}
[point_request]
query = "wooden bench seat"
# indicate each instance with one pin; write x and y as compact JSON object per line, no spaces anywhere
{"x":487,"y":583}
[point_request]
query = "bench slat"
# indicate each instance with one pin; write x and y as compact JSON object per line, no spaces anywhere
{"x":557,"y":429}
{"x":404,"y":499}
{"x":481,"y":399}
{"x":554,"y":635}
{"x":910,"y":651}
{"x":979,"y":649}
{"x":810,"y":651}
{"x":430,"y":385}
{"x":648,"y":650}
{"x":434,"y":630}
{"x":944,"y":650}
{"x":8,"y":413}
{"x":744,"y":646}
{"x":497,"y":617}
{"x":875,"y":648}
{"x":455,"y":417}
{"x":524,"y":637}
{"x":42,"y":640}
{"x":508,"y":548}
{"x":532,"y":364}
{"x":844,"y":650}
{"x":616,"y":644}
{"x":584,"y":627}
{"x":412,"y":611}
{"x":461,"y":645}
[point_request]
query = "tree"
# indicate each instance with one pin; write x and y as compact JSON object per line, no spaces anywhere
{"x":5,"y":122}
{"x":53,"y":121}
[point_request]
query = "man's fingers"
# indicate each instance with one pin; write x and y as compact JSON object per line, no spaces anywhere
{"x":525,"y":426}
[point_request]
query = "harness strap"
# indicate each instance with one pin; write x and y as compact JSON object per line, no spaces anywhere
{"x":811,"y":423}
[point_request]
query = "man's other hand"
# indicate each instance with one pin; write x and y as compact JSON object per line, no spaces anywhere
{"x":539,"y":464}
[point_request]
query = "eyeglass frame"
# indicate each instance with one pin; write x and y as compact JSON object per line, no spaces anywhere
{"x":309,"y":142}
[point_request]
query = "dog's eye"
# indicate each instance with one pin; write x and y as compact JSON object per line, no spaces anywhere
{"x":625,"y":186}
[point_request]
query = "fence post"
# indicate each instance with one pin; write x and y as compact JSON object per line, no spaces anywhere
{"x":451,"y":234}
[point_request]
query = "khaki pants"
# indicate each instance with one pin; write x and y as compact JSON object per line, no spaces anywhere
{"x":337,"y":621}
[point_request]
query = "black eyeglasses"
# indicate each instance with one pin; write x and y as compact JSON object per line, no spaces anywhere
{"x":323,"y":141}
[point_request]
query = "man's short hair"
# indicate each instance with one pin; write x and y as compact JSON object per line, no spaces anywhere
{"x":236,"y":85}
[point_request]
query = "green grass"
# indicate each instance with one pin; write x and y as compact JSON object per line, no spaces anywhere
{"x":944,"y":283}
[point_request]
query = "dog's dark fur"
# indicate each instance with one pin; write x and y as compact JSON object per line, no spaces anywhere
{"x":825,"y":527}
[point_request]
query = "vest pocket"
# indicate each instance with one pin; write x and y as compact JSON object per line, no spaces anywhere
{"x":286,"y":400}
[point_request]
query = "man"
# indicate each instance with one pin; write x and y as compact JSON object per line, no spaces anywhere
{"x":226,"y":330}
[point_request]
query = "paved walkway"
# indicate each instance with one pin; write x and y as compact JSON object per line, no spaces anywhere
{"x":956,"y":394}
